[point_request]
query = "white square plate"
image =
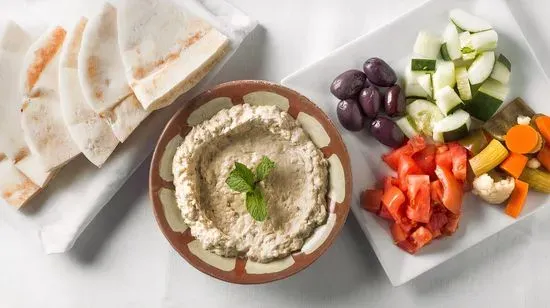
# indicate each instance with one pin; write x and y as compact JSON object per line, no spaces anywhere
{"x":393,"y":43}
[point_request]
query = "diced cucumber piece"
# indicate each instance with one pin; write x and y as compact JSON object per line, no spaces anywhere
{"x":425,"y":81}
{"x":482,"y":67}
{"x":502,"y":70}
{"x":470,"y":56}
{"x":487,"y":99}
{"x":444,"y":75}
{"x":468,"y":22}
{"x":463,"y":84}
{"x":444,"y":53}
{"x":465,"y":40}
{"x":451,"y":43}
{"x":447,"y":100}
{"x":407,"y":126}
{"x":484,"y":41}
{"x":427,"y":45}
{"x":423,"y":65}
{"x":424,"y":114}
{"x":412,"y":88}
{"x":463,"y":63}
{"x":453,"y":127}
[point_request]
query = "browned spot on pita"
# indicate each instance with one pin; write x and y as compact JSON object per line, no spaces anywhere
{"x":74,"y":47}
{"x":44,"y":55}
{"x":21,"y":154}
{"x":2,"y":156}
{"x":142,"y":71}
{"x":17,"y":194}
{"x":25,"y":105}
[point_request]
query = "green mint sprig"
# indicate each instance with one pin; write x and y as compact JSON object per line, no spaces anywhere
{"x":243,"y":180}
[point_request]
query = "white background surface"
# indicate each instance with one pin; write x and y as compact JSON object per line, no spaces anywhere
{"x":122,"y":259}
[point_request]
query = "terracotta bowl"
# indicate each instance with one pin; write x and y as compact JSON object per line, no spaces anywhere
{"x":204,"y":106}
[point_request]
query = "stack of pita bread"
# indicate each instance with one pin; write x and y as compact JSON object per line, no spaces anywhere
{"x":86,"y":89}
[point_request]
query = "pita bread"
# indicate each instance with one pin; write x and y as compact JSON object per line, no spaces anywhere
{"x":166,"y":50}
{"x":43,"y":126}
{"x":15,"y":188}
{"x":89,"y":131}
{"x":14,"y":43}
{"x":102,"y":75}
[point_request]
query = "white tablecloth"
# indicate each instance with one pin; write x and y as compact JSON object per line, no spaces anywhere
{"x":122,"y":259}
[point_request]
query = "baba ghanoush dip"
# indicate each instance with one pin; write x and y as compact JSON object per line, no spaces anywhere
{"x":294,"y":192}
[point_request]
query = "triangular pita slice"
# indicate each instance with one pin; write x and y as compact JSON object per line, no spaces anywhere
{"x":15,"y":188}
{"x":102,"y":75}
{"x":166,"y":49}
{"x":89,"y":131}
{"x":43,"y":126}
{"x":14,"y":42}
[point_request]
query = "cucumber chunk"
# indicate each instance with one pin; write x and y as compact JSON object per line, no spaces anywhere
{"x":423,"y":65}
{"x":447,"y":100}
{"x":453,"y":127}
{"x":502,"y":70}
{"x":468,"y":22}
{"x":451,"y":46}
{"x":465,"y":40}
{"x":425,"y":114}
{"x":463,"y":84}
{"x":482,"y":67}
{"x":444,"y":75}
{"x":484,"y":41}
{"x":427,"y":45}
{"x":412,"y":87}
{"x":487,"y":99}
{"x":407,"y":126}
{"x":425,"y":81}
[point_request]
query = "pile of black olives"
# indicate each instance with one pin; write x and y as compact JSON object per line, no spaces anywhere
{"x":361,"y":99}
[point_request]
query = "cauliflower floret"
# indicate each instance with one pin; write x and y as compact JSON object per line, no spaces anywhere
{"x":533,"y":163}
{"x":491,"y":191}
{"x":523,"y":120}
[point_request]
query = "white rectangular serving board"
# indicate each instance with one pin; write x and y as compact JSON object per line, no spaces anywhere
{"x":394,"y":43}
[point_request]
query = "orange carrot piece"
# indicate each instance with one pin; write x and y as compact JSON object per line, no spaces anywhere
{"x":514,"y":164}
{"x":517,"y":199}
{"x":544,"y":157}
{"x":543,"y":124}
{"x":523,"y":139}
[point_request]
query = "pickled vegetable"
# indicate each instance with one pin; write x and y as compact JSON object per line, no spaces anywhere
{"x":348,"y":84}
{"x":523,"y":139}
{"x":537,"y":179}
{"x":489,"y":158}
{"x":506,"y":118}
{"x":475,"y":141}
{"x":517,"y":199}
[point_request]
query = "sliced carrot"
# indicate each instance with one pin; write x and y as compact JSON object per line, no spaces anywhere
{"x":523,"y":139}
{"x":517,"y":199}
{"x":544,"y":157}
{"x":543,"y":124}
{"x":514,"y":164}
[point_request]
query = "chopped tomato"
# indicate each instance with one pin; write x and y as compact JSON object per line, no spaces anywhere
{"x":384,"y":213}
{"x":393,"y":199}
{"x":406,"y":224}
{"x":444,"y":157}
{"x":425,"y":159}
{"x":407,"y":166}
{"x":418,"y":192}
{"x":436,"y":192}
{"x":371,"y":200}
{"x":437,"y":222}
{"x":397,"y":233}
{"x":452,"y":189}
{"x":421,"y":237}
{"x":459,"y":161}
{"x":408,"y":246}
{"x":390,"y":181}
{"x":452,"y":224}
{"x":415,"y":144}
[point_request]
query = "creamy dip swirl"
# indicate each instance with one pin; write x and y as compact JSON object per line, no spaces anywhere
{"x":295,"y":191}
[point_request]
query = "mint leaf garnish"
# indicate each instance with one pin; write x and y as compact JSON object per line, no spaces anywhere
{"x":264,"y":168}
{"x":255,"y":204}
{"x":243,"y":180}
